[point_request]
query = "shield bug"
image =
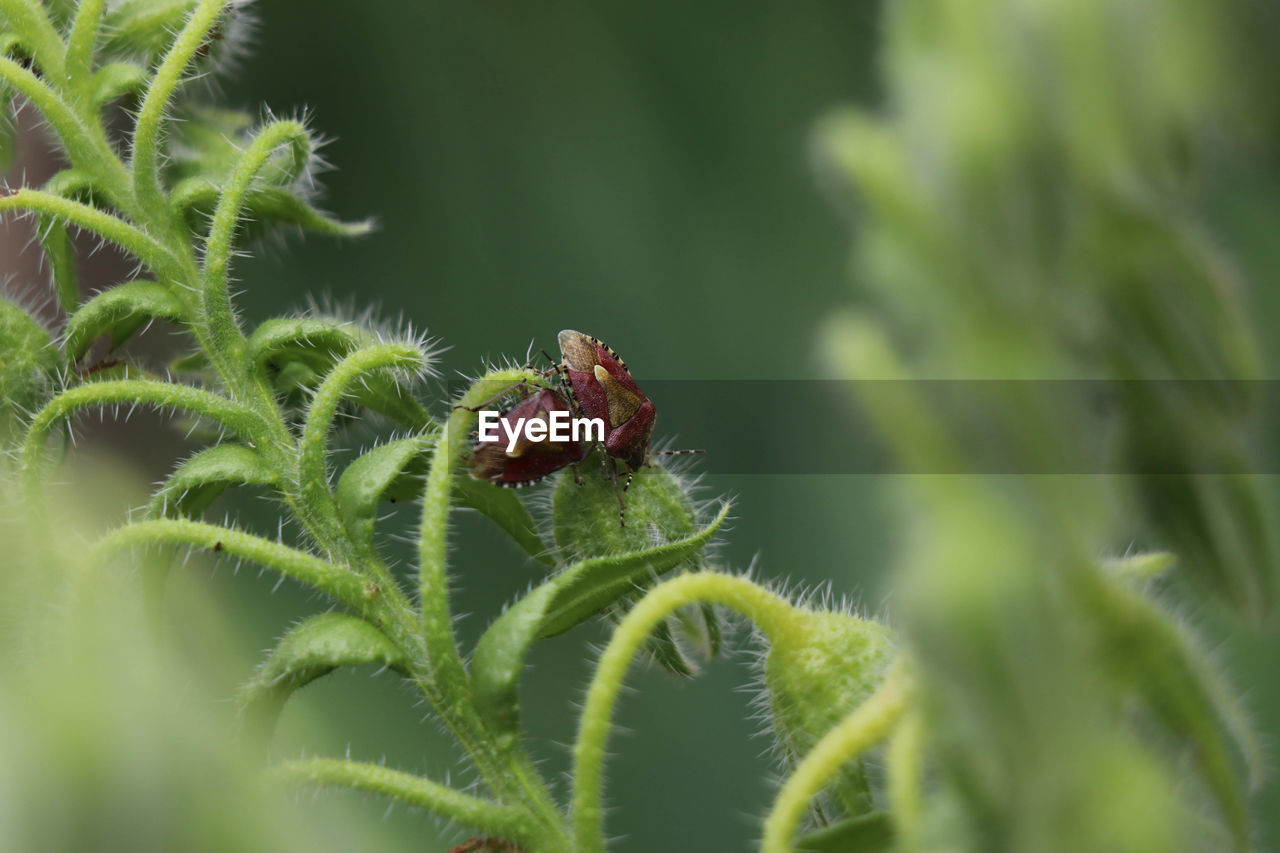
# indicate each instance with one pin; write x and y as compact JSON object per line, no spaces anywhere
{"x":516,"y":457}
{"x":602,"y":387}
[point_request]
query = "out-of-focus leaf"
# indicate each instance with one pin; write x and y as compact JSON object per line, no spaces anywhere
{"x":143,"y":28}
{"x":1184,"y":694}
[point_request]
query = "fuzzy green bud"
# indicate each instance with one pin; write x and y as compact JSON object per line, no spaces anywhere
{"x":588,"y":522}
{"x":820,"y":667}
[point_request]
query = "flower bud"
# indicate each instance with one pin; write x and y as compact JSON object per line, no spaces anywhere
{"x":820,"y":667}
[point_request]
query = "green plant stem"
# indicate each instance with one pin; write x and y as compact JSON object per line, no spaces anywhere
{"x":862,"y":729}
{"x":144,"y":392}
{"x":106,"y":226}
{"x":489,"y":817}
{"x":146,"y":184}
{"x":437,"y":622}
{"x":760,"y":605}
{"x":341,"y":584}
{"x":442,"y":677}
{"x":313,"y":478}
{"x":227,"y":341}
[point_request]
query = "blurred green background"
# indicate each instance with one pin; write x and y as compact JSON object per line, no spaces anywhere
{"x":639,"y":172}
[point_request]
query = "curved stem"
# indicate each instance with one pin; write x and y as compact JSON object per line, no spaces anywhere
{"x":342,"y":584}
{"x":146,"y":185}
{"x":437,"y":623}
{"x":163,"y":395}
{"x":313,"y":478}
{"x":103,"y":224}
{"x":486,"y":816}
{"x":862,"y":729}
{"x":504,"y":765}
{"x":763,"y":607}
{"x":219,"y":318}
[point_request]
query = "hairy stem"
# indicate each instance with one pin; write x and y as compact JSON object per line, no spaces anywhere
{"x":134,"y":392}
{"x":108,"y":227}
{"x":443,"y":678}
{"x":341,"y":584}
{"x":38,"y":33}
{"x":146,"y":184}
{"x":227,"y":342}
{"x":313,"y":478}
{"x":760,"y":605}
{"x":80,"y":43}
{"x":483,"y":815}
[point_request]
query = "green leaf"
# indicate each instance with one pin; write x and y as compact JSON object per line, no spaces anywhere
{"x":317,"y":344}
{"x":202,"y":478}
{"x":870,"y":833}
{"x":143,"y":28}
{"x":197,"y":197}
{"x":1142,"y":567}
{"x":391,"y":471}
{"x":504,"y":508}
{"x":120,"y":311}
{"x":281,"y":205}
{"x":312,"y":649}
{"x":295,"y":353}
{"x":559,"y":604}
{"x":116,"y":80}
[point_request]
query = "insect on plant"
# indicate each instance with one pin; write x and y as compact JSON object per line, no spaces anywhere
{"x":602,"y":387}
{"x":526,"y":461}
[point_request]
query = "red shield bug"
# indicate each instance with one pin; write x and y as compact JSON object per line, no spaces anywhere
{"x":602,"y":387}
{"x":517,"y":457}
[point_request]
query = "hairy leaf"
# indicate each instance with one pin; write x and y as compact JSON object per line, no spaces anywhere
{"x":559,"y":604}
{"x":120,"y":311}
{"x":202,"y":478}
{"x":313,"y":649}
{"x":391,"y":471}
